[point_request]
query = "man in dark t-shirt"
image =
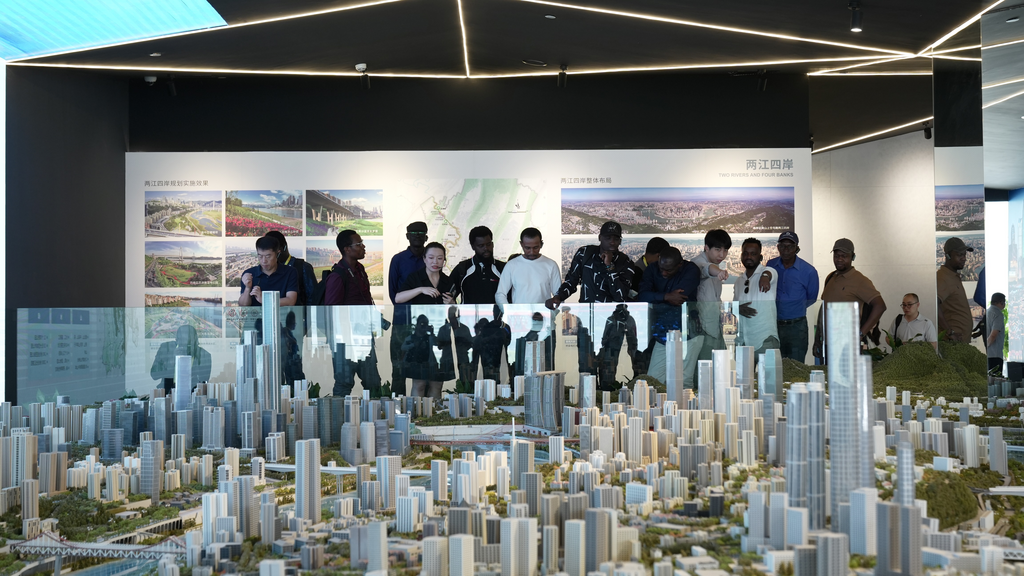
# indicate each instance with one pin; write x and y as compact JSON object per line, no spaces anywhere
{"x":349,"y":284}
{"x":268,"y":276}
{"x":476,"y":279}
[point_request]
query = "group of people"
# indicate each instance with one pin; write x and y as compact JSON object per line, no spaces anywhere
{"x":773,"y":296}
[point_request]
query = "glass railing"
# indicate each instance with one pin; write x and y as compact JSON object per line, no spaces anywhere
{"x":97,"y":354}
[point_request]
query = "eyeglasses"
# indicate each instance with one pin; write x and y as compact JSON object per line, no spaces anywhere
{"x":356,"y":245}
{"x":907,"y":304}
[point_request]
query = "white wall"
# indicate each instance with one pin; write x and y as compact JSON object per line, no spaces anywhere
{"x":880,"y":195}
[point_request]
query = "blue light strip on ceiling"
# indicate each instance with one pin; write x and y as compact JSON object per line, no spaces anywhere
{"x":39,"y":27}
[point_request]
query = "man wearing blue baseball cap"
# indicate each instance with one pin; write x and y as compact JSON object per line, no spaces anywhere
{"x":797,"y":290}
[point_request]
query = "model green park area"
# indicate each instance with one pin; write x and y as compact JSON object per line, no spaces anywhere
{"x":956,"y":371}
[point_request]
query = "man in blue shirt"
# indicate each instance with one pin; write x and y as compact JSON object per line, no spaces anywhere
{"x":797,"y":290}
{"x":307,"y":278}
{"x":667,"y":284}
{"x":269,"y":276}
{"x":402,"y":265}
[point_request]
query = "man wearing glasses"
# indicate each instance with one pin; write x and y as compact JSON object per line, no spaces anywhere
{"x":348,"y":284}
{"x":755,"y":289}
{"x":269,"y":276}
{"x":911,"y":326}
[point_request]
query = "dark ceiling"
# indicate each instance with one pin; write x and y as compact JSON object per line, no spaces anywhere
{"x":486,"y":38}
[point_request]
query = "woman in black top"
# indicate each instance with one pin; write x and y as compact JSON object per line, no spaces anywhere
{"x":429,"y":285}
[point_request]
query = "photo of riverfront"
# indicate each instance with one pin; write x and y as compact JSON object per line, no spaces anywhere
{"x":959,"y":208}
{"x":331,"y":211}
{"x":763,"y":210}
{"x":323,"y":254}
{"x":256,"y":212}
{"x":690,"y":246}
{"x":166,"y":310}
{"x":184,"y":263}
{"x":184,"y":214}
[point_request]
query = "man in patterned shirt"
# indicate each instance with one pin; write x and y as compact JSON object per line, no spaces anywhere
{"x":604,"y":273}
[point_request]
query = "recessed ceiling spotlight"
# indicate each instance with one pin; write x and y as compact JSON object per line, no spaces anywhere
{"x":550,"y":16}
{"x":537,"y":63}
{"x":155,"y":54}
{"x":1012,"y":20}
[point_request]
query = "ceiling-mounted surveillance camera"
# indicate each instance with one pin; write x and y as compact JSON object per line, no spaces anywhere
{"x":361,"y":67}
{"x":150,"y":80}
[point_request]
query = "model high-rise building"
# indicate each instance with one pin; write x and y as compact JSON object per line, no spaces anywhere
{"x":435,"y":555}
{"x":601,"y":524}
{"x":997,"y":450}
{"x":833,"y":554}
{"x":849,"y":385}
{"x":152,"y":462}
{"x":905,"y":492}
{"x":377,"y":548}
{"x":816,"y":434}
{"x":388,"y":469}
{"x":307,"y":479}
{"x":461,"y":555}
{"x":544,"y":398}
{"x":575,"y":547}
{"x":522,"y":460}
{"x":213,"y":428}
{"x":863,"y":540}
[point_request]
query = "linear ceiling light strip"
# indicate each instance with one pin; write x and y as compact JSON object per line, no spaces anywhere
{"x":228,"y":27}
{"x":951,"y":50}
{"x":465,"y":45}
{"x":876,"y":74}
{"x":1010,"y":43}
{"x":858,"y":65}
{"x":1004,"y":99}
{"x":873,"y":134}
{"x":402,"y":75}
{"x":711,"y":26}
{"x":959,"y":28}
{"x":1004,"y":83}
{"x":231,"y":71}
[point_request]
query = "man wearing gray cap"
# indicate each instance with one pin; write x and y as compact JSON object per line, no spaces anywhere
{"x":797,"y":290}
{"x":954,"y":310}
{"x":847,"y":284}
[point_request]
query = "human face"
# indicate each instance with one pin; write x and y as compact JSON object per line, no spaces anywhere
{"x":434,"y":258}
{"x":910,"y":305}
{"x":750,"y":255}
{"x":356,"y":249}
{"x":842,"y":260}
{"x":267,"y":258}
{"x":531,"y":247}
{"x":716,"y":255}
{"x":787,"y":250}
{"x":416,"y":239}
{"x":669,"y":267}
{"x":957,"y":260}
{"x":483,"y":247}
{"x":610,"y":243}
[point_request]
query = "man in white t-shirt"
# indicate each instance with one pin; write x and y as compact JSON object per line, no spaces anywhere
{"x":531,"y":278}
{"x":911,"y":326}
{"x":755,"y":289}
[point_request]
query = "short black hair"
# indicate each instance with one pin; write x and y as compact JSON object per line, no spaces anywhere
{"x":656,"y":245}
{"x":753,"y":240}
{"x":479,"y":232}
{"x":999,"y":298}
{"x":530,"y":233}
{"x":670,"y":253}
{"x":268,"y":243}
{"x":280,"y":238}
{"x":435,"y":245}
{"x":717,"y":239}
{"x":344,"y":239}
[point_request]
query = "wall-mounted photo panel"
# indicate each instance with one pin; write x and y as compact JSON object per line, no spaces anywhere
{"x":451,"y":208}
{"x":328,"y":212}
{"x":184,"y":263}
{"x":975,"y":259}
{"x":757,"y":210}
{"x":184,"y":214}
{"x":168,"y":310}
{"x":256,"y":212}
{"x":959,"y":208}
